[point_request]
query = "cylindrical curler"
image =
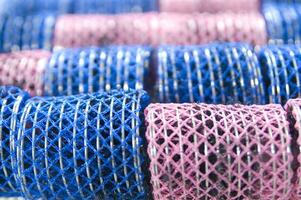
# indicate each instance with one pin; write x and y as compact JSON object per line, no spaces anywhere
{"x":24,"y":69}
{"x":280,"y":65}
{"x":83,"y":147}
{"x":159,"y":28}
{"x":30,"y":32}
{"x":282,"y":20}
{"x":293,"y":108}
{"x":75,"y":71}
{"x":12,"y":102}
{"x":114,"y":6}
{"x":84,"y":30}
{"x":215,"y":73}
{"x":212,"y":6}
{"x":32,"y":7}
{"x":200,"y":151}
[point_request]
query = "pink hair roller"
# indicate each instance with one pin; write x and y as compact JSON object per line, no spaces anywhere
{"x":293,"y":108}
{"x":200,"y":151}
{"x":24,"y":69}
{"x":159,"y":28}
{"x":84,"y":30}
{"x":211,"y":6}
{"x":226,"y":28}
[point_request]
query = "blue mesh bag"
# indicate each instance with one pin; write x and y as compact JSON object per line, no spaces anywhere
{"x":215,"y":73}
{"x":22,"y":33}
{"x":12,"y":103}
{"x":281,"y":69}
{"x":74,"y":71}
{"x":83,"y":147}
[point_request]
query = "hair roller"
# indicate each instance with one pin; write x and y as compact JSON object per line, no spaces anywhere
{"x":12,"y":103}
{"x":159,"y":29}
{"x":294,"y":117}
{"x":30,"y":32}
{"x":201,"y":151}
{"x":82,"y":147}
{"x":24,"y":69}
{"x":212,"y":6}
{"x":75,"y":71}
{"x":215,"y":73}
{"x":280,"y":66}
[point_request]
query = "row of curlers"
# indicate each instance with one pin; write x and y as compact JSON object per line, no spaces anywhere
{"x":114,"y":145}
{"x":214,"y":73}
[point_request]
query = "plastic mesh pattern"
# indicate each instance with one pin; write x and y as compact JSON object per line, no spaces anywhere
{"x":212,"y":6}
{"x":293,"y":108}
{"x":11,"y":106}
{"x":23,"y":33}
{"x":114,"y":6}
{"x":281,"y":69}
{"x":24,"y":69}
{"x":215,"y":73}
{"x":201,"y":151}
{"x":283,"y":22}
{"x":75,"y":71}
{"x":156,"y":29}
{"x":29,"y":7}
{"x":82,"y":147}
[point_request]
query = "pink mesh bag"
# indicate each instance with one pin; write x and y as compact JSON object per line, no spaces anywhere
{"x":156,"y":29}
{"x":212,"y":6}
{"x":200,"y":151}
{"x":24,"y":69}
{"x":293,"y":108}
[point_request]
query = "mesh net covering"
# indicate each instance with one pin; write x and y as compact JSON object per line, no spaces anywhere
{"x":24,"y":69}
{"x":283,"y":22}
{"x":281,"y":66}
{"x":212,"y":6}
{"x":155,"y":29}
{"x":74,"y":71}
{"x":31,"y":32}
{"x":215,"y":73}
{"x":28,"y":7}
{"x":201,"y":151}
{"x":11,"y":104}
{"x":293,"y":108}
{"x":114,"y":6}
{"x":82,"y":147}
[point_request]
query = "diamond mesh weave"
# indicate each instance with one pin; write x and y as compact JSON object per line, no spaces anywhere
{"x":114,"y":6}
{"x":293,"y":108}
{"x":283,"y":22}
{"x":156,"y":29}
{"x":212,"y":6}
{"x":24,"y":69}
{"x":11,"y":106}
{"x":74,"y":71}
{"x":82,"y":147}
{"x":31,"y":32}
{"x":281,"y":67}
{"x":33,"y":7}
{"x":215,"y":73}
{"x":29,"y":7}
{"x":201,"y":151}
